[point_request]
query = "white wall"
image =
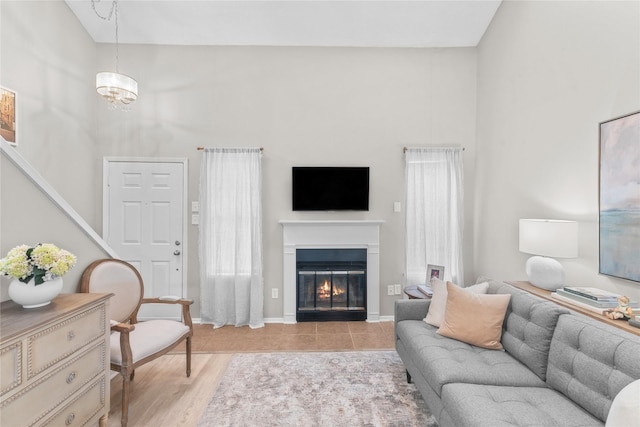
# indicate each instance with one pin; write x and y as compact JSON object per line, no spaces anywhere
{"x":52,"y":72}
{"x":49,"y":60}
{"x":548,"y":74}
{"x":305,"y":106}
{"x":30,"y":217}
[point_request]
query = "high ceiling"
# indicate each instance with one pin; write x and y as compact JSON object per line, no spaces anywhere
{"x":356,"y":23}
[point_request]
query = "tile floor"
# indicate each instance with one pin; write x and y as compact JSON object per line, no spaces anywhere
{"x":303,"y":336}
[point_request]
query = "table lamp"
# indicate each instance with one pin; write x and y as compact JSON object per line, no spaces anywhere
{"x":546,"y":238}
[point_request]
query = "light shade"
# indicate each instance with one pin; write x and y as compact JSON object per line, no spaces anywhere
{"x":549,"y":237}
{"x":117,"y":89}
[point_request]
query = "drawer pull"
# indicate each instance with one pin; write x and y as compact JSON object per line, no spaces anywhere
{"x":71,"y":335}
{"x":70,"y":418}
{"x":71,"y":377}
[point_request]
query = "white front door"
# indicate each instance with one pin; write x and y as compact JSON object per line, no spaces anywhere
{"x":144,"y":224}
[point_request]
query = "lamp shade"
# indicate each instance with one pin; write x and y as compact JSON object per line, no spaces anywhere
{"x":116,"y":88}
{"x":549,"y":237}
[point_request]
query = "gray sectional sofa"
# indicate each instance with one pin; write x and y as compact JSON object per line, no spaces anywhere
{"x":558,"y":368}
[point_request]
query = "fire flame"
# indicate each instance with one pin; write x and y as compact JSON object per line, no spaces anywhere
{"x":324,"y":291}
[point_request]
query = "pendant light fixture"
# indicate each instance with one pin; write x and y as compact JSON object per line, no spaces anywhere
{"x":118,"y":89}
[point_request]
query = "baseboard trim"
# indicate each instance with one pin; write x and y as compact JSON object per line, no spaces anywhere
{"x":198,"y":320}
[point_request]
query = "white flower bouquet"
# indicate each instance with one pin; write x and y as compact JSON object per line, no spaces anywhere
{"x":42,"y":262}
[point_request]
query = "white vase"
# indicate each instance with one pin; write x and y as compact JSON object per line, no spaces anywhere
{"x":29,"y":295}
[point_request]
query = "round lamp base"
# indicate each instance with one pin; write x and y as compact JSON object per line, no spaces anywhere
{"x":545,"y":273}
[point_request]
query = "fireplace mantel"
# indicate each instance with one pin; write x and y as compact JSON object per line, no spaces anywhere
{"x":324,"y":234}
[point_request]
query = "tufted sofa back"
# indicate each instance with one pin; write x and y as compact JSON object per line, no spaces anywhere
{"x":528,"y":326}
{"x":590,"y":362}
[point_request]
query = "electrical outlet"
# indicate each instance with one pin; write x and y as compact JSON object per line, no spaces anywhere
{"x":398,"y":288}
{"x":390,"y":290}
{"x":274,"y":292}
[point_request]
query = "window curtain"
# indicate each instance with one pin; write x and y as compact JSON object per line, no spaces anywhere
{"x":231,"y":237}
{"x":434,"y":213}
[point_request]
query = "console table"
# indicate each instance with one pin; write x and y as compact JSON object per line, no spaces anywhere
{"x":54,"y":362}
{"x":545,"y":294}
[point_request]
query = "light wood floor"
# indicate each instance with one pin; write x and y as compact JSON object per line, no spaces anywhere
{"x":162,"y":395}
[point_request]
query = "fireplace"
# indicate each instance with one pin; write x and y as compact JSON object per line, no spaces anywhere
{"x":331,"y":284}
{"x":331,"y":234}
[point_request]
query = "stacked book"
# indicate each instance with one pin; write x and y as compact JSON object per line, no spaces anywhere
{"x":426,"y":290}
{"x":593,"y":299}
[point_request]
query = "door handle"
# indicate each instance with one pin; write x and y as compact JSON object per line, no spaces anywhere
{"x":176,"y":252}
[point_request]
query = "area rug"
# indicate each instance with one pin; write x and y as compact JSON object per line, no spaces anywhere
{"x":361,"y":388}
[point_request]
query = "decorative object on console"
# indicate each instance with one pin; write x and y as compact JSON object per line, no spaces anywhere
{"x":118,"y":89}
{"x":426,"y":290}
{"x":545,"y":238}
{"x":37,"y":273}
{"x":619,"y":203}
{"x":8,"y":115}
{"x":622,"y":311}
{"x":593,"y":307}
{"x":593,"y":297}
{"x":435,"y":272}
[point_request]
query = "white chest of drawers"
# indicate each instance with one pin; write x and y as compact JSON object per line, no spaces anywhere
{"x":54,"y":362}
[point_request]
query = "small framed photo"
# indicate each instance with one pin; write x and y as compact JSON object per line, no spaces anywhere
{"x":435,"y":271}
{"x":8,"y":115}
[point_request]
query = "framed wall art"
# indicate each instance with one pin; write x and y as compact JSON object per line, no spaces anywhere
{"x":619,"y":197}
{"x":8,"y":115}
{"x":435,"y":271}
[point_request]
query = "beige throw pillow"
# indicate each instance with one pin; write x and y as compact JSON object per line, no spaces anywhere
{"x":435,"y":315}
{"x":474,"y":318}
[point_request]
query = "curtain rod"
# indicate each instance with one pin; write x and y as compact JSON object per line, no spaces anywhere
{"x":202,"y":148}
{"x":404,"y":149}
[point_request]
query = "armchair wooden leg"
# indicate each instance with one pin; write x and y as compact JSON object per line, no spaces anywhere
{"x":125,"y":400}
{"x":188,"y":357}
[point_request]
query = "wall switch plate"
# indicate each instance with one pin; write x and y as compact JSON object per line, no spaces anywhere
{"x":397,"y":288}
{"x":274,"y":292}
{"x":396,"y":207}
{"x":195,"y":206}
{"x":195,"y":219}
{"x":390,"y":290}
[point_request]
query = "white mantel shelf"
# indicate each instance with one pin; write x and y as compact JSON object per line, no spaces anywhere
{"x":325,"y":234}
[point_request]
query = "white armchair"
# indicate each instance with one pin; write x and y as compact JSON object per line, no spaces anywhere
{"x":135,"y":343}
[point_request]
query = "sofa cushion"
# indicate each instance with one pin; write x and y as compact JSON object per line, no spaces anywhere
{"x":494,"y":406}
{"x":474,"y":318}
{"x":590,"y":362}
{"x":435,"y":316}
{"x":528,"y":326}
{"x":441,"y":360}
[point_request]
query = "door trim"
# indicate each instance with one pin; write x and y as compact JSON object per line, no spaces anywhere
{"x":185,"y":197}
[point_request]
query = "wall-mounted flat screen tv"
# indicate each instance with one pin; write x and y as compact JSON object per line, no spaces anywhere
{"x":330,"y":188}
